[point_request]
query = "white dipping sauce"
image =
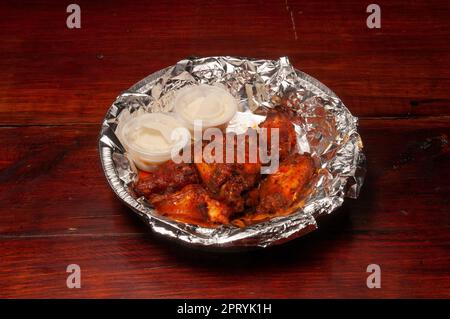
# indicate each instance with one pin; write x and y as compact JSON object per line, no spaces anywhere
{"x":214,"y":106}
{"x":150,"y":139}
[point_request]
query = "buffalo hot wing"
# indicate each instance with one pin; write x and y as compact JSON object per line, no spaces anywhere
{"x":192,"y":204}
{"x":229,"y":180}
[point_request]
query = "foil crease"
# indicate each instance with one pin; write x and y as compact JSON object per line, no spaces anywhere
{"x":326,"y":129}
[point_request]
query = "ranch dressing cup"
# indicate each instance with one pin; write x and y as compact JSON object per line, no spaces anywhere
{"x":151,"y":138}
{"x":214,"y":106}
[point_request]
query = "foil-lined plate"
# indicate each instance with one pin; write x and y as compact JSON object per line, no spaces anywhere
{"x":327,"y":130}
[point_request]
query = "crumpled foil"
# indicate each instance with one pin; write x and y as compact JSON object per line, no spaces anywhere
{"x":326,"y":129}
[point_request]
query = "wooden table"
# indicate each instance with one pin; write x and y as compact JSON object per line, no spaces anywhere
{"x":56,"y":208}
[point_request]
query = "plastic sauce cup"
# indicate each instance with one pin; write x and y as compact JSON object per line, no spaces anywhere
{"x":151,"y":138}
{"x":214,"y":106}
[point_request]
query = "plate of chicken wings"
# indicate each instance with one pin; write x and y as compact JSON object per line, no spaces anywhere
{"x":211,"y":194}
{"x":296,"y":154}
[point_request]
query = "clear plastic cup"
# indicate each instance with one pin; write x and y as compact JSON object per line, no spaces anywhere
{"x":150,"y":139}
{"x":211,"y":105}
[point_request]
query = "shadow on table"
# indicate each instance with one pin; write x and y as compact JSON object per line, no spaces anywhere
{"x":335,"y":231}
{"x":332,"y":229}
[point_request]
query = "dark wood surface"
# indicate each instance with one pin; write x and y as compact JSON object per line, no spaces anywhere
{"x":56,"y":208}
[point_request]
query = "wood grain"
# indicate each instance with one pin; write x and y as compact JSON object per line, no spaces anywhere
{"x":65,"y":213}
{"x":56,"y":207}
{"x":57,"y":75}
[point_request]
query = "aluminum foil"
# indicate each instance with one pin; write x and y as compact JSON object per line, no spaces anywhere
{"x":325,"y":128}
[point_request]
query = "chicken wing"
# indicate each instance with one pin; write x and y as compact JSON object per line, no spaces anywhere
{"x":192,"y":204}
{"x":169,"y":177}
{"x":228,"y":181}
{"x":287,"y":136}
{"x":279,"y":190}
